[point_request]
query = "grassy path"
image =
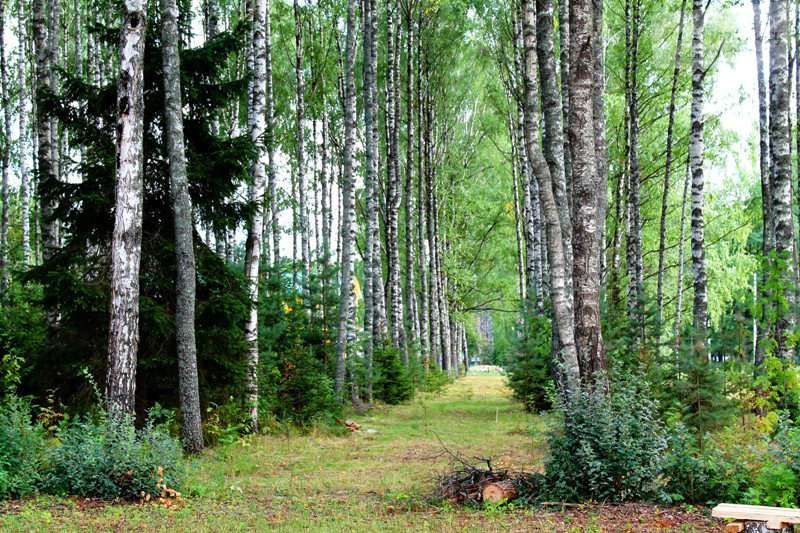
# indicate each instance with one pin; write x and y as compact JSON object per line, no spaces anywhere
{"x":373,"y":480}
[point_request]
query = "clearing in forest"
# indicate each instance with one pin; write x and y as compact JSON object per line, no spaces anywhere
{"x":376,"y":479}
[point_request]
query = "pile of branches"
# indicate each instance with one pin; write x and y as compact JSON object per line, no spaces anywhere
{"x":466,"y":482}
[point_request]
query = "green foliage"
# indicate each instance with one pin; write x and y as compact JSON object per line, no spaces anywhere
{"x":530,"y":372}
{"x":392,"y":380}
{"x":22,"y":449}
{"x":778,"y":387}
{"x":610,"y":448}
{"x":109,"y":459}
{"x":22,"y":333}
{"x":701,"y":394}
{"x":75,"y":282}
{"x":298,"y":349}
{"x":776,"y":485}
{"x":720,"y":471}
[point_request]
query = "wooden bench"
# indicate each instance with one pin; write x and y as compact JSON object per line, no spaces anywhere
{"x":768,"y":518}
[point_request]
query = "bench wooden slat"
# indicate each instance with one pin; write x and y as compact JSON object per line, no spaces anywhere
{"x":757,"y":513}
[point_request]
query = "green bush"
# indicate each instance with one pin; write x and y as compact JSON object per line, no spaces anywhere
{"x":109,"y":459}
{"x":530,"y":367}
{"x":392,"y":382}
{"x":610,"y":448}
{"x":22,"y":446}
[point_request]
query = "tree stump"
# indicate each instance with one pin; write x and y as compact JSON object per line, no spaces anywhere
{"x":499,"y":492}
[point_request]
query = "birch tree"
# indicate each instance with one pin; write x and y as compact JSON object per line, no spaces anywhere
{"x":126,"y":243}
{"x":257,"y":189}
{"x":346,"y":295}
{"x":564,"y":319}
{"x":46,"y":175}
{"x":781,"y":173}
{"x":696,"y":158}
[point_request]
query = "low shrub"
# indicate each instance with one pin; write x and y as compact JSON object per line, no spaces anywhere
{"x":109,"y":458}
{"x":610,"y":449}
{"x":22,"y":449}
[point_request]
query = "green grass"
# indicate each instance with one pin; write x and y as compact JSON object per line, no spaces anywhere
{"x":375,"y":480}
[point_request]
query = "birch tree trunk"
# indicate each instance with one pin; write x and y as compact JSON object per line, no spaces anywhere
{"x":768,"y":240}
{"x":634,"y":241}
{"x":679,"y":282}
{"x":126,"y":243}
{"x":393,"y":197}
{"x":587,"y":184}
{"x":662,"y":226}
{"x":256,"y":222}
{"x":780,"y":182}
{"x":696,"y":156}
{"x":348,"y":204}
{"x":269,"y":139}
{"x":302,"y":217}
{"x":191,"y":429}
{"x":553,"y":137}
{"x":434,"y":311}
{"x":564,"y":319}
{"x":370,"y":183}
{"x":6,"y":156}
{"x":24,"y":140}
{"x":410,"y":301}
{"x":563,"y":45}
{"x":46,"y":172}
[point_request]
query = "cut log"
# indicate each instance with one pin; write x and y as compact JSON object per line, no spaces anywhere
{"x":499,"y":492}
{"x":734,"y":527}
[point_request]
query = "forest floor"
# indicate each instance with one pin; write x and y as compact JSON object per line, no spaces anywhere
{"x":376,"y":479}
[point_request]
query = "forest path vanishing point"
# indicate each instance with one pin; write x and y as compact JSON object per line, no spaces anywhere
{"x":376,"y":479}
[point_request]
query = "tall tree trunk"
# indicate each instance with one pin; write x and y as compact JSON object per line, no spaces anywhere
{"x":679,"y":282}
{"x":564,"y":319}
{"x":553,"y":138}
{"x":434,"y":311}
{"x":24,"y":146}
{"x":370,"y":183}
{"x":634,"y":241}
{"x":587,"y":184}
{"x":191,"y":429}
{"x":410,"y":300}
{"x":348,"y":235}
{"x":302,"y":217}
{"x":696,"y":156}
{"x":46,"y":176}
{"x":517,"y":211}
{"x":6,"y":156}
{"x":256,"y":222}
{"x":393,"y":197}
{"x":269,"y":139}
{"x":126,"y":243}
{"x":780,"y":182}
{"x":662,"y":226}
{"x":599,"y":119}
{"x":768,"y":239}
{"x":563,"y":45}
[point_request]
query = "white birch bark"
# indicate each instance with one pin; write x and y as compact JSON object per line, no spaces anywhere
{"x":126,"y":244}
{"x":257,"y":189}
